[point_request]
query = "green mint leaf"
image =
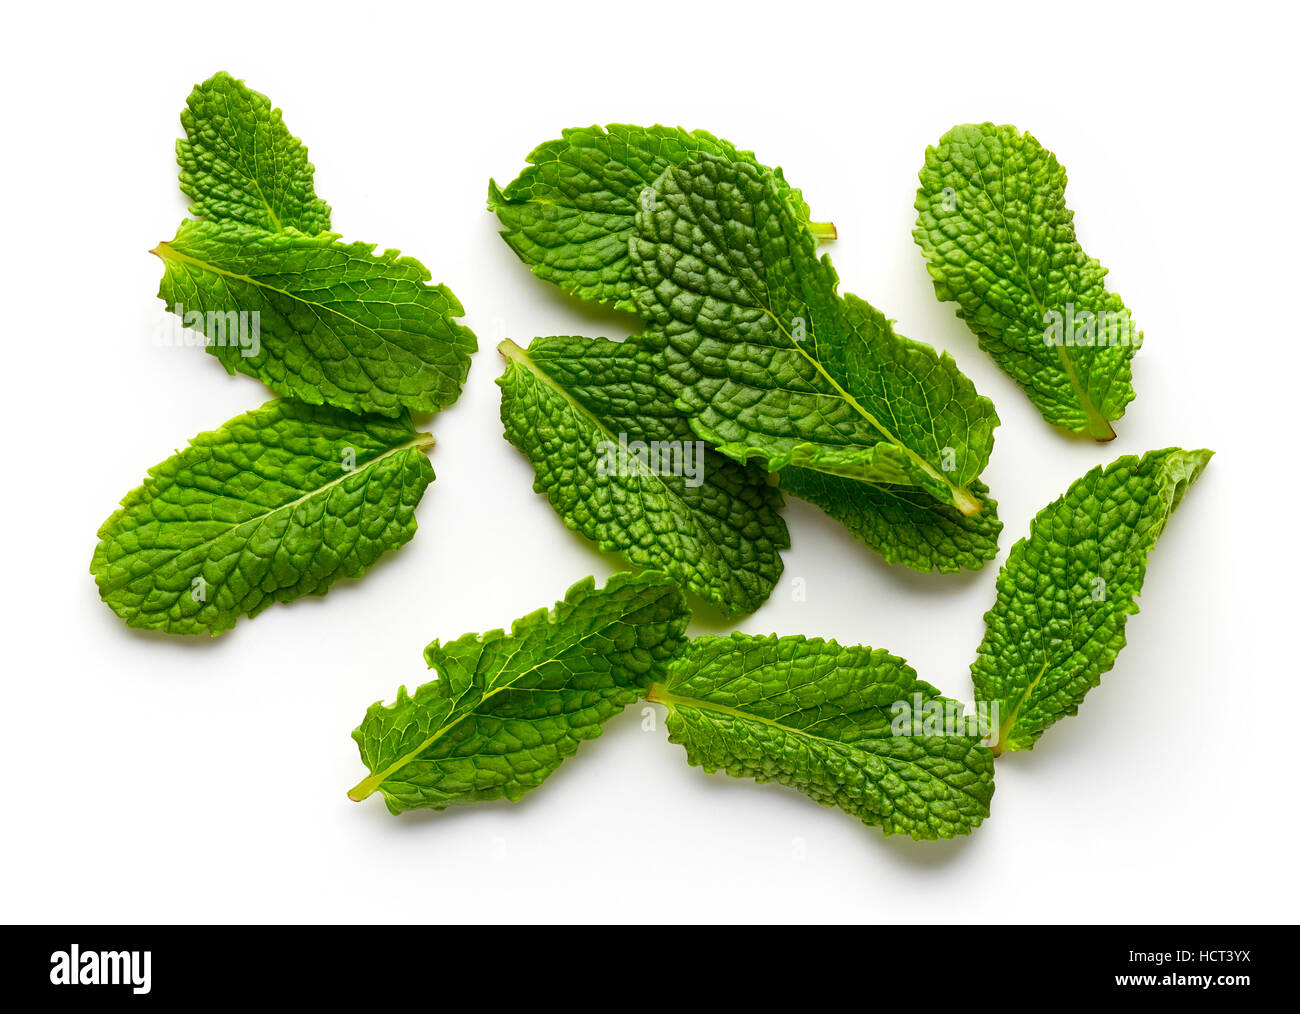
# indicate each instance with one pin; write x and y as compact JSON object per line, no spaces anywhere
{"x":276,"y":504}
{"x":571,"y":212}
{"x":621,"y":465}
{"x":769,"y":362}
{"x":1066,"y":591}
{"x":506,"y":709}
{"x":904,"y":524}
{"x":1000,"y":242}
{"x":824,"y":719}
{"x":239,"y":163}
{"x":317,"y":319}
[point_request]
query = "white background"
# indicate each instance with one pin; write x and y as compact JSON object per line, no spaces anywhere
{"x":156,"y":778}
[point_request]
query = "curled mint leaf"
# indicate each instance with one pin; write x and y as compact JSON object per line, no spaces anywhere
{"x":239,"y":163}
{"x":570,"y":214}
{"x":904,"y":524}
{"x":276,"y":504}
{"x":825,"y":720}
{"x":1000,"y":242}
{"x":317,"y":319}
{"x":506,"y":709}
{"x":1066,"y":591}
{"x":769,"y":362}
{"x":621,"y":465}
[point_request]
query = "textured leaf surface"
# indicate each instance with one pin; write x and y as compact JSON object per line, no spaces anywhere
{"x":816,"y":716}
{"x":621,"y":465}
{"x":1000,"y":242}
{"x":570,"y":213}
{"x":769,"y":362}
{"x":903,"y":524}
{"x":276,"y":504}
{"x":239,"y":163}
{"x":338,"y":324}
{"x":1066,"y":591}
{"x":506,"y":709}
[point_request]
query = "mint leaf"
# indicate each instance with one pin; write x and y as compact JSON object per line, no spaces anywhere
{"x":769,"y":362}
{"x":571,"y":212}
{"x":276,"y":504}
{"x":622,"y":467}
{"x":821,"y":718}
{"x":506,"y":709}
{"x":319,"y":320}
{"x":1000,"y":242}
{"x":1066,"y":591}
{"x":239,"y":163}
{"x":904,"y":524}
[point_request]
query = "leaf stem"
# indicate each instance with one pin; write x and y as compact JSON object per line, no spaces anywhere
{"x":365,"y":787}
{"x":1099,"y":429}
{"x":824,"y":231}
{"x":965,"y":501}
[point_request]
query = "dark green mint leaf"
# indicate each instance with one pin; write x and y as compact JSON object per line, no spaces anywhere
{"x":317,"y":319}
{"x":276,"y":504}
{"x":1066,"y":591}
{"x":827,"y":720}
{"x":1000,"y":242}
{"x":621,"y":465}
{"x":769,"y":362}
{"x":506,"y":709}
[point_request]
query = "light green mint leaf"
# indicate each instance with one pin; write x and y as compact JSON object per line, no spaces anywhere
{"x":769,"y":362}
{"x":239,"y":163}
{"x":1066,"y":591}
{"x":317,"y":319}
{"x":904,"y":524}
{"x":827,"y":720}
{"x":621,"y":465}
{"x":570,"y":213}
{"x":1000,"y":242}
{"x":276,"y":504}
{"x":506,"y":709}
